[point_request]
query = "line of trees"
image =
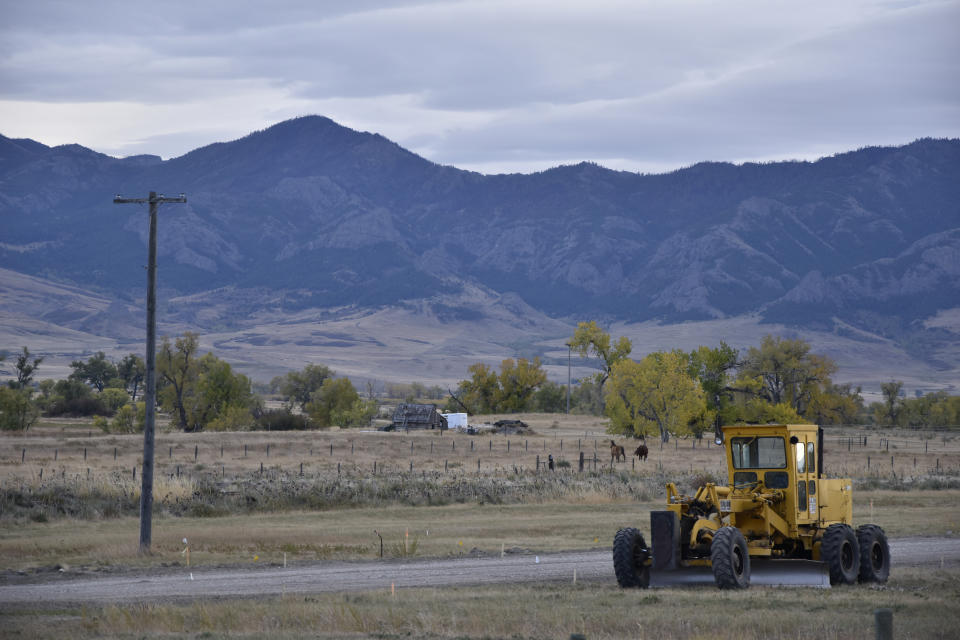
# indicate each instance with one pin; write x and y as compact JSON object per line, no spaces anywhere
{"x":687,"y":393}
{"x":665,"y":392}
{"x":938,"y":409}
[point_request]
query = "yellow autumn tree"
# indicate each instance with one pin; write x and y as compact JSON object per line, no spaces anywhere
{"x":654,"y":396}
{"x":590,"y":339}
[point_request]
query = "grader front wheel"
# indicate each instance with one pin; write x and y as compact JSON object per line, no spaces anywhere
{"x":730,"y":559}
{"x":630,"y":556}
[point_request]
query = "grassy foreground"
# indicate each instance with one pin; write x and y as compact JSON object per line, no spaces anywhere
{"x":924,"y":602}
{"x":69,"y":496}
{"x":348,"y":533}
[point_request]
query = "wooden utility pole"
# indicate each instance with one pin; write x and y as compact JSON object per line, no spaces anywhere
{"x":150,"y":392}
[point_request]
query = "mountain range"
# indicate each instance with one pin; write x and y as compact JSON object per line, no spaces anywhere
{"x":309,"y":217}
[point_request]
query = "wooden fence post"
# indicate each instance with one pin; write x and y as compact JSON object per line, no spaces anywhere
{"x":883,"y":621}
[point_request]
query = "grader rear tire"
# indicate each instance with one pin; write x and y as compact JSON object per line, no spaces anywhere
{"x":874,"y":554}
{"x":630,"y":554}
{"x":730,"y":559}
{"x":839,"y":549}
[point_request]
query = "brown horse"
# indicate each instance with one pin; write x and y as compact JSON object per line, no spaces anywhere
{"x":641,"y":452}
{"x":617,"y":452}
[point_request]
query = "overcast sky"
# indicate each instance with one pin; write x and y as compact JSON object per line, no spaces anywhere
{"x":493,"y":86}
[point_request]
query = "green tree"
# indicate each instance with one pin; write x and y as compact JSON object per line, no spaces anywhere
{"x":655,"y":395}
{"x":97,"y":371}
{"x":132,"y":370}
{"x":835,"y":404}
{"x":130,"y":418}
{"x":18,"y":412}
{"x":203,"y":391}
{"x":215,"y":392}
{"x":787,"y":371}
{"x":418,"y":389}
{"x":299,"y":386}
{"x":892,"y":406}
{"x":590,"y":339}
{"x":714,"y":368}
{"x":549,"y":398}
{"x":338,"y":403}
{"x":586,"y":398}
{"x":479,"y":393}
{"x":509,"y":392}
{"x":25,"y":369}
{"x":177,"y":367}
{"x":759,"y":411}
{"x":113,"y":399}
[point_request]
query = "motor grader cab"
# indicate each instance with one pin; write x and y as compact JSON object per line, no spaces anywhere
{"x":777,"y":506}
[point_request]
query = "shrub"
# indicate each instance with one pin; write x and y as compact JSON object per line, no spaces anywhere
{"x":281,"y":420}
{"x":17,"y":410}
{"x":79,"y":407}
{"x":233,"y":418}
{"x":129,"y":419}
{"x":114,"y":398}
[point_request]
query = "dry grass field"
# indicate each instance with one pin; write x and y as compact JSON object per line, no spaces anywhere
{"x":70,"y":502}
{"x":924,"y":603}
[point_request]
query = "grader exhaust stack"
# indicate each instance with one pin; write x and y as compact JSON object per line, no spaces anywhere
{"x":777,"y":522}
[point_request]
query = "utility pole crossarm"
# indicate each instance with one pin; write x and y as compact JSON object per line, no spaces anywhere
{"x":158,"y":199}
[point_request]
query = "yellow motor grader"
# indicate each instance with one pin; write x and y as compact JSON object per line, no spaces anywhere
{"x":778,"y":506}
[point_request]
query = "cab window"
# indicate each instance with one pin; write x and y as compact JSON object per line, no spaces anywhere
{"x":762,"y":452}
{"x":801,"y":449}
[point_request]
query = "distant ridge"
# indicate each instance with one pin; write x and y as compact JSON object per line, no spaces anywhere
{"x":334,"y":217}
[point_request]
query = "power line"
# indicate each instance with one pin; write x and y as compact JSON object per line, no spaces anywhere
{"x":150,"y":392}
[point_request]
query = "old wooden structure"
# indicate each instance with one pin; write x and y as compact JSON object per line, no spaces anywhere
{"x":417,"y":416}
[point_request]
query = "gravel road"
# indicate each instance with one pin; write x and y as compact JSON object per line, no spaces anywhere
{"x":183,"y":583}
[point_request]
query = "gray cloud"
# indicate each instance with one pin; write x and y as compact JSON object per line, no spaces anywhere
{"x":492,"y":85}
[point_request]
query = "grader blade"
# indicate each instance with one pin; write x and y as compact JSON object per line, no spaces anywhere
{"x":763,"y":573}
